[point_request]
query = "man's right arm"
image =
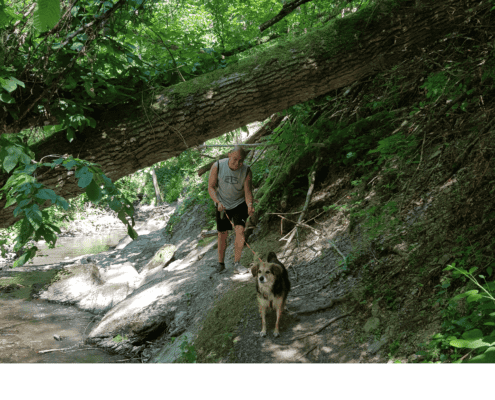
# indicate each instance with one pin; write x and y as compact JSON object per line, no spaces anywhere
{"x":212,"y":182}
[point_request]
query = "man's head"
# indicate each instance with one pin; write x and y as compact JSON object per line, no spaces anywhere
{"x":236,"y":157}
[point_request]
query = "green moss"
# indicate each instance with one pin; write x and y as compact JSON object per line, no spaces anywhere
{"x":270,"y":242}
{"x":216,"y":338}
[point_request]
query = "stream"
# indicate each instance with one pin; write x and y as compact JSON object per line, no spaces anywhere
{"x":28,"y":326}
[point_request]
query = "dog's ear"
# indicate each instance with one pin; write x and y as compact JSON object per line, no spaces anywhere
{"x":276,"y":269}
{"x":254,"y":269}
{"x":272,"y":258}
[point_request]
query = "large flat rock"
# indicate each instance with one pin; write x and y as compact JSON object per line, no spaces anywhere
{"x":93,"y":289}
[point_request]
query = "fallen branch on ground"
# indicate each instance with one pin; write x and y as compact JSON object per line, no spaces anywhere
{"x":309,"y":351}
{"x":338,"y":251}
{"x":312,"y":177}
{"x":323,"y":327}
{"x":301,"y":224}
{"x":73,"y":348}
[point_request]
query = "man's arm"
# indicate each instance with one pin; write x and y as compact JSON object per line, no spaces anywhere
{"x":248,"y":190}
{"x":212,"y":182}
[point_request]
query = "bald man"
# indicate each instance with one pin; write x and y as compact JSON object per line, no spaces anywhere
{"x":230,"y":187}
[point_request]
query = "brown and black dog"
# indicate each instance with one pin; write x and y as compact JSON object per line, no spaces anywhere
{"x":272,"y":285}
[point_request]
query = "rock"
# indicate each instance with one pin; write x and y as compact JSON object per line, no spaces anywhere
{"x":171,"y":351}
{"x":161,"y":258}
{"x":371,"y":324}
{"x":92,"y":290}
{"x":377,"y":345}
{"x":57,"y":337}
{"x":444,"y":259}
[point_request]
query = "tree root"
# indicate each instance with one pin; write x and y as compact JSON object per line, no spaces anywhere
{"x":322,"y":327}
{"x":328,"y":305}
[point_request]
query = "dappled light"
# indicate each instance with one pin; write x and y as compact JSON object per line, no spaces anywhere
{"x":247,"y":181}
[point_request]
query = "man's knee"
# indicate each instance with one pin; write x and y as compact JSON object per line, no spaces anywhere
{"x":223,"y":235}
{"x":239,"y":231}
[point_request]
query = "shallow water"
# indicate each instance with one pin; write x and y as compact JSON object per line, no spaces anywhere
{"x":70,"y":247}
{"x":29,"y":326}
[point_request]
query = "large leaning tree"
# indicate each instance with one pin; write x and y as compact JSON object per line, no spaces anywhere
{"x":165,"y":121}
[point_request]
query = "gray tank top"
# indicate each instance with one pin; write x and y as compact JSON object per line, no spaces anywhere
{"x":230,"y":190}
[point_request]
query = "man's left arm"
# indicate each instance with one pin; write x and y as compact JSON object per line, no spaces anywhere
{"x":248,"y":192}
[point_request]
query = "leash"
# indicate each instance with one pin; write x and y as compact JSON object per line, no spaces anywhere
{"x":233,"y":226}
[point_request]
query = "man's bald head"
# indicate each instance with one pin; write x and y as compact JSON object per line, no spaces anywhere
{"x":240,"y":151}
{"x":236,"y":157}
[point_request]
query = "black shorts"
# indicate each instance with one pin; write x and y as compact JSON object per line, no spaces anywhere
{"x":238,"y":215}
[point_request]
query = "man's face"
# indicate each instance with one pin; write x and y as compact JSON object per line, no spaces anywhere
{"x":235,"y":161}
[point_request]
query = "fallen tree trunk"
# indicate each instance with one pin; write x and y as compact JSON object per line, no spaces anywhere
{"x":275,"y":121}
{"x":175,"y":119}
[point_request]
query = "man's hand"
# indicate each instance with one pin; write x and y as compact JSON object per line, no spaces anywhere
{"x":220,"y":207}
{"x":250,"y":211}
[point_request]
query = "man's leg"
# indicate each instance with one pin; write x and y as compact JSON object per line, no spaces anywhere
{"x":222,"y":245}
{"x":238,"y":246}
{"x":239,"y":242}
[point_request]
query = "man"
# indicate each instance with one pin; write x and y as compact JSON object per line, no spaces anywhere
{"x":230,"y":187}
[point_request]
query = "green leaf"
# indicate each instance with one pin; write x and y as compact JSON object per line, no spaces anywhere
{"x":449,"y":267}
{"x":33,"y":214}
{"x":70,"y":83}
{"x":77,"y":46}
{"x":70,"y":134}
{"x":487,"y":357}
{"x":46,"y":15}
{"x":473,"y":269}
{"x":46,"y":194}
{"x":474,"y":297}
{"x":69,"y":164}
{"x":10,"y":162}
{"x":53,"y":227}
{"x":7,"y":15}
{"x":6,"y":98}
{"x":132,"y":233}
{"x":115,"y":205}
{"x":11,"y":83}
{"x":473,"y":339}
{"x":85,"y":177}
{"x":93,"y":191}
{"x":92,"y":122}
{"x":89,"y":90}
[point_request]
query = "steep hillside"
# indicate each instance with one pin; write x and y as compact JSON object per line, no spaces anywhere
{"x":409,"y":170}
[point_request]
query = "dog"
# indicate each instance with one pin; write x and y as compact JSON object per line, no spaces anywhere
{"x":272,"y":287}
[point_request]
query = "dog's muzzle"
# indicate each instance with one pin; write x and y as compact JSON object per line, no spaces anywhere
{"x":262,"y":279}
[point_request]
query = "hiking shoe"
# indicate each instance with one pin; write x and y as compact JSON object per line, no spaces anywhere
{"x":239,"y":269}
{"x":220,"y":267}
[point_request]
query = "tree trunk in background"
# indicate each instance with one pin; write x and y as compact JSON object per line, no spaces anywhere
{"x":157,"y":188}
{"x":128,"y":138}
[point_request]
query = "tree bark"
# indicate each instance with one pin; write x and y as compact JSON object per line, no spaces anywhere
{"x":265,"y":130}
{"x":174,"y":119}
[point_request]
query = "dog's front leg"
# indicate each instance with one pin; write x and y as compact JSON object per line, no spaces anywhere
{"x":263,"y":320}
{"x":276,"y":333}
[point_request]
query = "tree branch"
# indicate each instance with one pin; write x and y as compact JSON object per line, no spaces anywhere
{"x":287,"y":8}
